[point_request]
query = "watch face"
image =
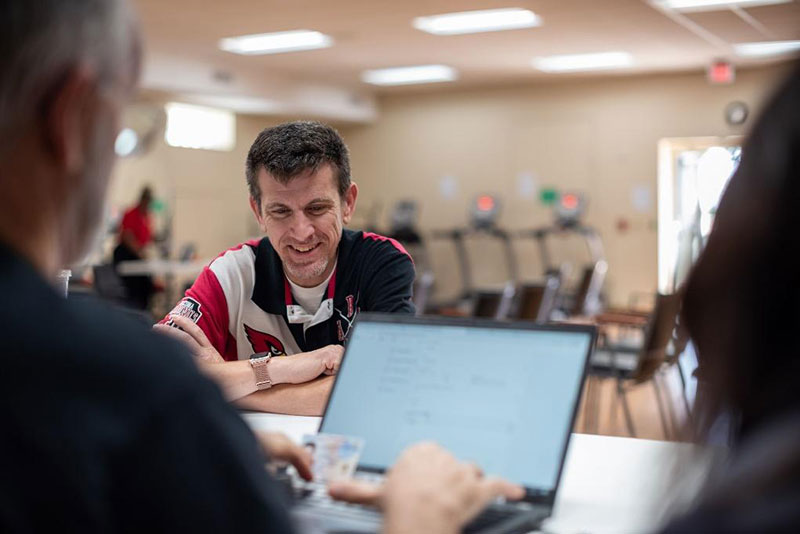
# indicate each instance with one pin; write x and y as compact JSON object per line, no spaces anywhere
{"x":736,"y":113}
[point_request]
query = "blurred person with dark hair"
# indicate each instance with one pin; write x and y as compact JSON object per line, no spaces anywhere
{"x":135,"y":233}
{"x":267,"y":319}
{"x":742,"y":308}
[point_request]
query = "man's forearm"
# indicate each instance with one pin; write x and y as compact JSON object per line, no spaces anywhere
{"x":292,"y":399}
{"x":236,"y":379}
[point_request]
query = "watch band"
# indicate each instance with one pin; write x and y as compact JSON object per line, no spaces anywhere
{"x":259,"y":364}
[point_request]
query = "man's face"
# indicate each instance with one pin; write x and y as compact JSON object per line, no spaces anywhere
{"x":303,"y":220}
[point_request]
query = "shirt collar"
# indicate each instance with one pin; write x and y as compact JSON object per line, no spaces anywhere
{"x":268,"y":270}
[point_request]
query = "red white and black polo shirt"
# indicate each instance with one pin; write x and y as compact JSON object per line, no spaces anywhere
{"x":242,"y":299}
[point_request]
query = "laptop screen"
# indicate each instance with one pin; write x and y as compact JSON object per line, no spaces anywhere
{"x":503,"y":396}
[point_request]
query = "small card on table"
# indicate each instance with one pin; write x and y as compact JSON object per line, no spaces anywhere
{"x":335,"y":457}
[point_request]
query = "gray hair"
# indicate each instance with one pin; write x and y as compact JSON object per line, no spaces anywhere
{"x":41,"y":40}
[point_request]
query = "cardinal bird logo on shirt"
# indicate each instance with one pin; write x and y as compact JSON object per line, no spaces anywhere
{"x":262,"y":342}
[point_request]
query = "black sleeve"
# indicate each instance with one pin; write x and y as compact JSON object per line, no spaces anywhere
{"x":770,"y":512}
{"x":389,"y":288}
{"x":196,"y":467}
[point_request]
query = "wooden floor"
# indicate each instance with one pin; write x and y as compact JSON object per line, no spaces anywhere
{"x":609,"y":419}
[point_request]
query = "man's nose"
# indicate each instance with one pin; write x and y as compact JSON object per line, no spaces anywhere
{"x":302,"y":229}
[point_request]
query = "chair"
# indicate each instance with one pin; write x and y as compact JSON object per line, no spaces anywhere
{"x":659,"y":348}
{"x":537,"y":301}
{"x":486,"y":304}
{"x":587,"y":298}
{"x":108,"y":284}
{"x":187,"y":252}
{"x":494,"y":304}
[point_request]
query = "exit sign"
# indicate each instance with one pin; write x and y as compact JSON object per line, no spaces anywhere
{"x":721,"y":72}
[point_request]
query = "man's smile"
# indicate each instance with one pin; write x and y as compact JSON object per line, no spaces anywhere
{"x":303,"y":249}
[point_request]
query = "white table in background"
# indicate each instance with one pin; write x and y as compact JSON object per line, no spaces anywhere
{"x":160,"y":267}
{"x":171,"y":270}
{"x":609,"y":485}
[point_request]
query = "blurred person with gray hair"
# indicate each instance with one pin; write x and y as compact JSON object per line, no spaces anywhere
{"x":107,"y":426}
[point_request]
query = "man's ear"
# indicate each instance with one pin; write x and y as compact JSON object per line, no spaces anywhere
{"x":349,"y":205}
{"x":67,"y":119}
{"x":256,"y":209}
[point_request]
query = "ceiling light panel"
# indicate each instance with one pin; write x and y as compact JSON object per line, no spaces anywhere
{"x":488,"y":20}
{"x":584,"y":62}
{"x":766,"y":48}
{"x":712,"y":5}
{"x":276,"y":43}
{"x":410,"y":75}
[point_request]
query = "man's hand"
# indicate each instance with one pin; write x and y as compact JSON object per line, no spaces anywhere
{"x":279,"y":447}
{"x":428,"y":490}
{"x":194,"y":338}
{"x":306,"y":366}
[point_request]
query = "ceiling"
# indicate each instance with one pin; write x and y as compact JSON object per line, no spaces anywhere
{"x":182,"y":54}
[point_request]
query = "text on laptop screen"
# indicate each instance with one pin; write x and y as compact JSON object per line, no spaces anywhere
{"x":500,"y":397}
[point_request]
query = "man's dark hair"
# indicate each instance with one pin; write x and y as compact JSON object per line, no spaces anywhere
{"x":287,"y":150}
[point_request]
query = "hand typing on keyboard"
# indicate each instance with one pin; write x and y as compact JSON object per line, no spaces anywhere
{"x":428,"y":490}
{"x":279,"y":447}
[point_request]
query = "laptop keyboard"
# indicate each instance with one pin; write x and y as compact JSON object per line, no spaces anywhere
{"x":316,"y":495}
{"x":489,"y":517}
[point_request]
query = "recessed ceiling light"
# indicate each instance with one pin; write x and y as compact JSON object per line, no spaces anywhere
{"x":711,"y":5}
{"x":578,"y":62}
{"x":767,"y":48}
{"x":275,"y":43}
{"x":488,"y":20}
{"x":410,"y":75}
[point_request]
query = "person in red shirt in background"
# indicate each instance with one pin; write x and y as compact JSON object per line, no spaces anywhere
{"x":135,"y":233}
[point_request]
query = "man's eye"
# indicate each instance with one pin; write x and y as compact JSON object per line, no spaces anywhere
{"x":279,"y":212}
{"x":317,"y":210}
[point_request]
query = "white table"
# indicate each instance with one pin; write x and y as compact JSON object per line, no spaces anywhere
{"x":609,"y":485}
{"x":160,"y":267}
{"x":171,"y":270}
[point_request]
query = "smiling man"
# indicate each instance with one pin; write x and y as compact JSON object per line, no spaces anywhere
{"x":267,"y":319}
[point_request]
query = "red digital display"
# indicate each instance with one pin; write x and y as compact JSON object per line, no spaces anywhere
{"x":485,"y":203}
{"x":569,"y":201}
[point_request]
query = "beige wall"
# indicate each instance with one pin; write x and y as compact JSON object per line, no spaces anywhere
{"x":595,"y":136}
{"x":205,"y":189}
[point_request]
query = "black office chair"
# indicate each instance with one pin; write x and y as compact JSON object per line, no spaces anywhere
{"x":108,"y":284}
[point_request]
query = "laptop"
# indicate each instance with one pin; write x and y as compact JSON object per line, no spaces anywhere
{"x":501,"y":394}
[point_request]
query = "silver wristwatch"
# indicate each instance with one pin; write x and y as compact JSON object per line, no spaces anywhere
{"x":259,"y":363}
